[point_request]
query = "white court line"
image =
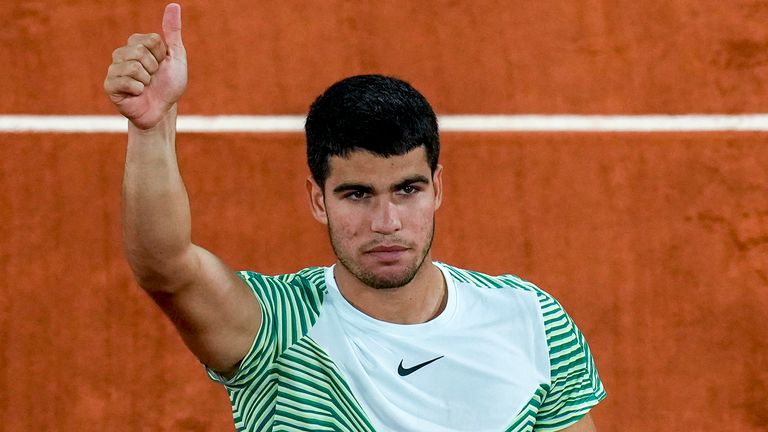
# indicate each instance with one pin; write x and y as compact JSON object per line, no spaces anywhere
{"x":448,"y":123}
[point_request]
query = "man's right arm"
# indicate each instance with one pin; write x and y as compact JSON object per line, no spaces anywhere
{"x":214,"y":311}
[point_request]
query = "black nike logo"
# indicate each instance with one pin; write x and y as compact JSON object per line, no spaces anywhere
{"x":407,"y":371}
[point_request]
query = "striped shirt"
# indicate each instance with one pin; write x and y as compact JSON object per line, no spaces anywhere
{"x":502,"y":356}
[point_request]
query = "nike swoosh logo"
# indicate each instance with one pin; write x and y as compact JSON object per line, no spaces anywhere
{"x":407,"y":371}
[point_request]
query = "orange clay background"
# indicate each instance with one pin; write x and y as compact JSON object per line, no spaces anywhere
{"x":657,"y":244}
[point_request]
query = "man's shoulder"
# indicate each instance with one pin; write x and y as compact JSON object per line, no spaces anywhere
{"x":310,"y":275}
{"x":307,"y":282}
{"x":551,"y":310}
{"x":483,"y":280}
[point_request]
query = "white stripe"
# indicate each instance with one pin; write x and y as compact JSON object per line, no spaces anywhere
{"x":448,"y":123}
{"x":604,"y":123}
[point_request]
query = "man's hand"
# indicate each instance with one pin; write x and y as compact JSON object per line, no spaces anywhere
{"x":149,"y":74}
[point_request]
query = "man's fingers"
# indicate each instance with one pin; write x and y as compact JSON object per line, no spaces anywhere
{"x":123,"y":85}
{"x":133,"y":69}
{"x":172,"y":28}
{"x":152,"y":41}
{"x":138,"y":53}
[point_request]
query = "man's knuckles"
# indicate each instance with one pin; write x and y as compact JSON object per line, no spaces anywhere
{"x":151,"y":41}
{"x":117,"y":55}
{"x":120,"y":75}
{"x":136,"y":53}
{"x":150,"y":62}
{"x":137,"y":70}
{"x":128,"y":85}
{"x":146,"y":39}
{"x":119,"y":86}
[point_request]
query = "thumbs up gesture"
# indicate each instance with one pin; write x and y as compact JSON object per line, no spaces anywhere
{"x":149,"y":74}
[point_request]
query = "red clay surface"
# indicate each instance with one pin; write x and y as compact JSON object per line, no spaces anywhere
{"x":657,"y":244}
{"x":492,"y":56}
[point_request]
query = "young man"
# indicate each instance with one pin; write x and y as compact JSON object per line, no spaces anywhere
{"x":385,"y":339}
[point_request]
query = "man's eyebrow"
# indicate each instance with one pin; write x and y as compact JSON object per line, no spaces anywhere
{"x":410,"y":180}
{"x":367,"y":188}
{"x":346,"y":187}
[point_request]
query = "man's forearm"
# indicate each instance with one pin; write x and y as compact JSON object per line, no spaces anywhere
{"x":156,"y":215}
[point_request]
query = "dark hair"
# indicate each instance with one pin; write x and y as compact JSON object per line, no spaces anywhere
{"x":383,"y":115}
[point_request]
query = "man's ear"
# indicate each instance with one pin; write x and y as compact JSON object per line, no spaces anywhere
{"x":316,"y":201}
{"x":437,"y":182}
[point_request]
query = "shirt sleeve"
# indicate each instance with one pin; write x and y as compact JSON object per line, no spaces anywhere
{"x":286,"y":315}
{"x":575,"y":385}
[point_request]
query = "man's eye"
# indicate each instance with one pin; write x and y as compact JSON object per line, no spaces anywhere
{"x":356,"y":195}
{"x":408,"y":190}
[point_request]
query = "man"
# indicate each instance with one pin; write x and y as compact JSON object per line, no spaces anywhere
{"x":386,"y":339}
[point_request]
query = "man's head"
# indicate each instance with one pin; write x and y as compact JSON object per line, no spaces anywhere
{"x":372,"y":149}
{"x":383,"y":115}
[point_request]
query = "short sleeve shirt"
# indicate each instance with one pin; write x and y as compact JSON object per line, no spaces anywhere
{"x":502,"y":356}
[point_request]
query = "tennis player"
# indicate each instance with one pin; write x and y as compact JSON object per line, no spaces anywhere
{"x":384,"y":339}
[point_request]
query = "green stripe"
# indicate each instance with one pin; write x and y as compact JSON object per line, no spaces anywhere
{"x":297,"y":387}
{"x":574,"y":386}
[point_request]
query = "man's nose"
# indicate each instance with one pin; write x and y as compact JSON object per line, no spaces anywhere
{"x":386,"y":218}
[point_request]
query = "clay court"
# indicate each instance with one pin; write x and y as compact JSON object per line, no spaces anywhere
{"x":655,"y":242}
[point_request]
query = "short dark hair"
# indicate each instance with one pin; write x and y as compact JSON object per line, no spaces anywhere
{"x":383,"y":115}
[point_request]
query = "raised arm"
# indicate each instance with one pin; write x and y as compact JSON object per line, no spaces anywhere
{"x":583,"y":425}
{"x":213,"y":310}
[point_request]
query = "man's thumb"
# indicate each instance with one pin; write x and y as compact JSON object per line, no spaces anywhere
{"x":172,"y":27}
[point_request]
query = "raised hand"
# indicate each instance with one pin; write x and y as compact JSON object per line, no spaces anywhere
{"x":149,"y":74}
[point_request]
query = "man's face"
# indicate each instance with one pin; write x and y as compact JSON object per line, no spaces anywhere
{"x":380,"y":214}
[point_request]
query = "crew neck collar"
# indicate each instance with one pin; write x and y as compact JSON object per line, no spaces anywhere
{"x":358,"y":317}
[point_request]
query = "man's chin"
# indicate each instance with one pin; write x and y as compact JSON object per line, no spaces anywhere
{"x":387,"y":275}
{"x":385,"y":283}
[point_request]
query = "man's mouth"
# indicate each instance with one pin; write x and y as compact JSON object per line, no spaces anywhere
{"x":387,"y":252}
{"x":394,"y":248}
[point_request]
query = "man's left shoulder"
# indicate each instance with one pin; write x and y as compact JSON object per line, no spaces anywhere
{"x":503,"y":281}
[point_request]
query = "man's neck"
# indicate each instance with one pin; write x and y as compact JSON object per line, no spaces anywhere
{"x":419,"y":301}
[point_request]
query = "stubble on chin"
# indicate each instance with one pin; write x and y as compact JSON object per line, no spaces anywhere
{"x":374,"y":280}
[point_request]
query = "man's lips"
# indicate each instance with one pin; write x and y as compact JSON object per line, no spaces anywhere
{"x":387,"y":253}
{"x":387,"y":249}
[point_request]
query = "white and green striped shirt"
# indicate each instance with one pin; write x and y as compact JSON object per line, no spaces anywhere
{"x":502,"y":356}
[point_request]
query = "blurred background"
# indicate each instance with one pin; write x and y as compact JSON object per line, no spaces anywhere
{"x":656,"y":243}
